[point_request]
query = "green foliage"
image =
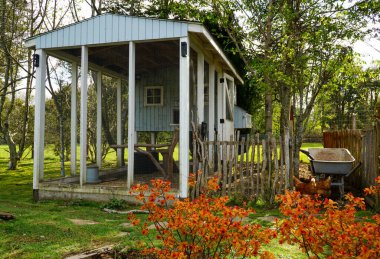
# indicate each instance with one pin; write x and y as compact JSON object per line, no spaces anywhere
{"x":116,"y":204}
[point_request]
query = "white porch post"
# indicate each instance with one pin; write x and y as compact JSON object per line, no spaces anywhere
{"x":220,"y":113}
{"x":39,"y":123}
{"x":184,"y":117}
{"x":211,"y":102}
{"x":99,"y":119}
{"x":74,"y":82}
{"x":131,"y":112}
{"x":83,"y":115}
{"x":200,"y":87}
{"x":118,"y":121}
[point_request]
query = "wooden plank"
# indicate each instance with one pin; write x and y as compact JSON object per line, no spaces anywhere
{"x":252,"y":164}
{"x":218,"y":152}
{"x":224,"y":158}
{"x":195,"y":156}
{"x":258,"y":175}
{"x":241,"y":169}
{"x":235,"y":165}
{"x":281,"y":178}
{"x":276,"y":170}
{"x":269,"y":154}
{"x":231,"y":151}
{"x":263,"y":168}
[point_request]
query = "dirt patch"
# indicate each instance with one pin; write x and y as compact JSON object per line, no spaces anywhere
{"x":244,"y":220}
{"x":271,"y":219}
{"x":159,"y":224}
{"x":83,"y":222}
{"x":109,"y":253}
{"x":123,"y":234}
{"x":127,"y":225}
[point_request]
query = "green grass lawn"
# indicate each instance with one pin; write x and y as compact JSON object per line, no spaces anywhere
{"x":43,"y":229}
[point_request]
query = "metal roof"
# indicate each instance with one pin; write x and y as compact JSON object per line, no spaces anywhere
{"x":107,"y":29}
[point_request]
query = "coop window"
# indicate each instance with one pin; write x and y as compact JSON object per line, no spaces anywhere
{"x":153,"y":96}
{"x":175,"y":116}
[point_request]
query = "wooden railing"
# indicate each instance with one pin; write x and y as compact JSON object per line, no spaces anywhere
{"x":249,"y":168}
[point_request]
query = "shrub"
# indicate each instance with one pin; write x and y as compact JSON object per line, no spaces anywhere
{"x":321,"y":227}
{"x":203,"y":228}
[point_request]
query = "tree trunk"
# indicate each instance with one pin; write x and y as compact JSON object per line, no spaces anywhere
{"x":13,"y":157}
{"x":268,"y":111}
{"x":25,"y":123}
{"x":284,"y":130}
{"x":298,"y":136}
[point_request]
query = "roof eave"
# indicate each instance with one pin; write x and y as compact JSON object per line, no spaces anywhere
{"x":197,"y":28}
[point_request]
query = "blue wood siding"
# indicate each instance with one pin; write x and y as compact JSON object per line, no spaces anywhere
{"x":109,"y":28}
{"x":157,"y":118}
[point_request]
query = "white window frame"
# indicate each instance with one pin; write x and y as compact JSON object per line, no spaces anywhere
{"x":146,"y":88}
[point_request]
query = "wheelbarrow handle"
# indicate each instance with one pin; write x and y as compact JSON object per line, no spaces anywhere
{"x":354,"y":169}
{"x":307,"y":153}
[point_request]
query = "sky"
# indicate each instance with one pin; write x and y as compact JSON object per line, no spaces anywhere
{"x":369,"y":50}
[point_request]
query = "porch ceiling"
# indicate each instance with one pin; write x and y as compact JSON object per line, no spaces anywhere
{"x":149,"y":56}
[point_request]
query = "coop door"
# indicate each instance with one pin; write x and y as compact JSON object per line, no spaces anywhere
{"x":228,"y":102}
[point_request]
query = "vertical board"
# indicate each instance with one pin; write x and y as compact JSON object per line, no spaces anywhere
{"x":177,"y":29}
{"x":163,"y":28}
{"x":122,"y":30}
{"x":48,"y":39}
{"x":66,"y":36}
{"x":115,"y":28}
{"x":156,"y":29}
{"x":72,"y":35}
{"x":102,"y":28}
{"x":83,"y":35}
{"x":141,"y":29}
{"x":90,"y":31}
{"x":96,"y":31}
{"x":109,"y":30}
{"x":134,"y":28}
{"x":149,"y":28}
{"x":77,"y":35}
{"x":60,"y":37}
{"x":169,"y":29}
{"x":128,"y":28}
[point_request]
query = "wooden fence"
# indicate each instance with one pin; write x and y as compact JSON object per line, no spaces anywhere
{"x":249,"y":168}
{"x":364,"y":145}
{"x":351,"y":140}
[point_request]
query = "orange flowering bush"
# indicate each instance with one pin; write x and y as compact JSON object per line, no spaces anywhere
{"x":321,"y":227}
{"x":373,"y":189}
{"x":202,"y":228}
